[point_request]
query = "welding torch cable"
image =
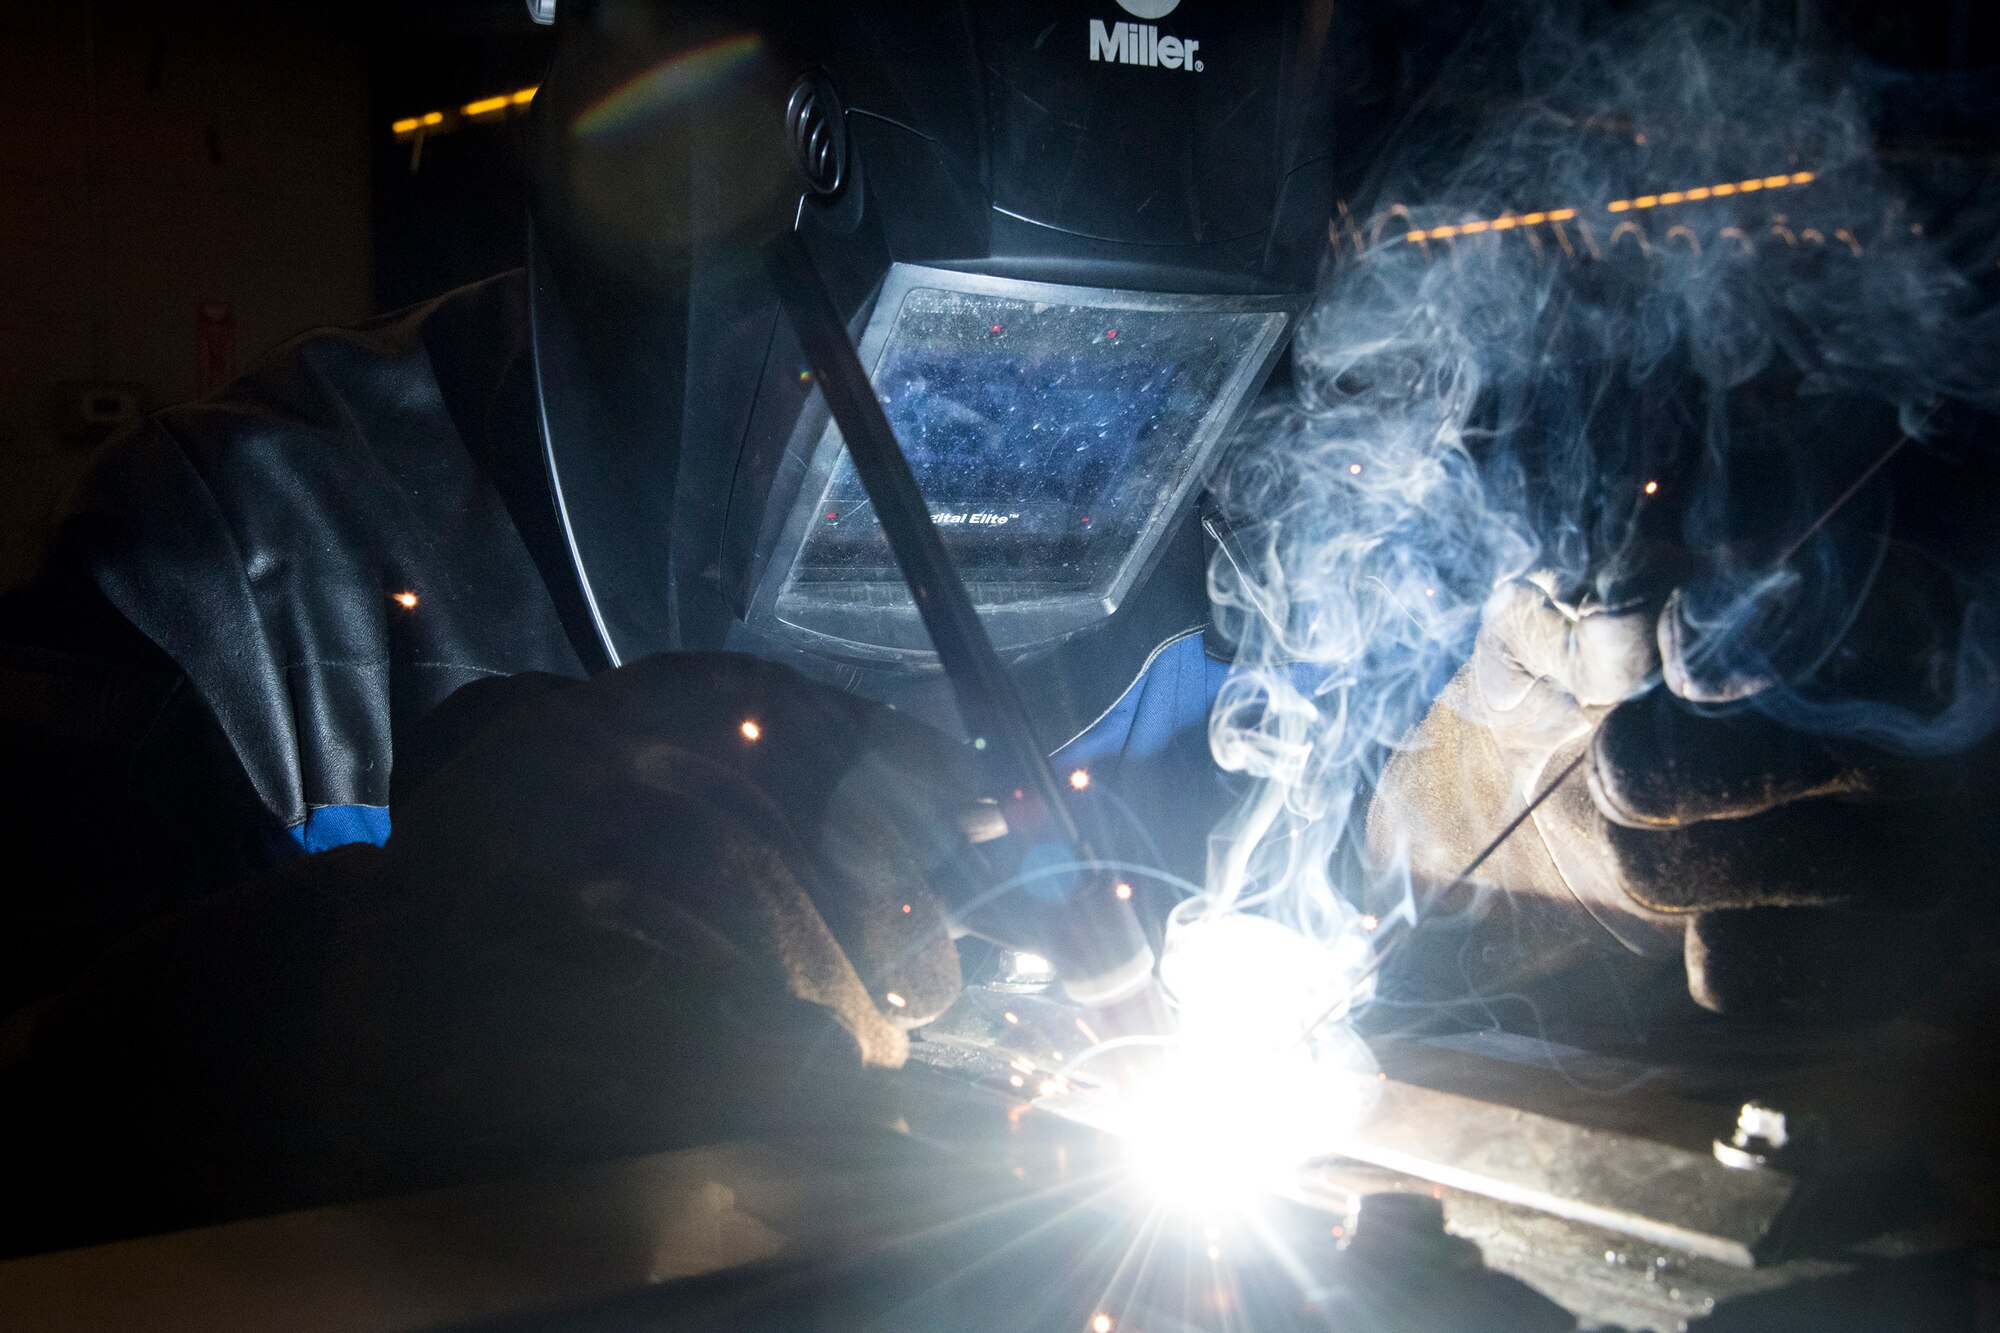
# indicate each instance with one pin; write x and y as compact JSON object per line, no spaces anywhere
{"x":985,"y":693}
{"x":1110,"y":956}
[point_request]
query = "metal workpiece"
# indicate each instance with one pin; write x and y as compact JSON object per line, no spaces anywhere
{"x":975,"y":1208}
{"x":1632,"y":1173}
{"x":1611,"y":1281}
{"x":1623,"y":1183}
{"x":979,"y":1214}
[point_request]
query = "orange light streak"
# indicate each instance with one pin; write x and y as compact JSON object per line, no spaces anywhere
{"x":1665,"y":199}
{"x":484,"y":106}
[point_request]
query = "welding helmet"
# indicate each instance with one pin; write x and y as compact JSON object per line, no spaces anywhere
{"x":1069,"y":241}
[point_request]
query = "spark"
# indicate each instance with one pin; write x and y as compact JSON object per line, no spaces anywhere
{"x":1011,"y":1016}
{"x":896,"y":1000}
{"x":1123,"y":891}
{"x":1079,"y":778}
{"x":1652,"y":488}
{"x":751,"y":731}
{"x":406,"y":600}
{"x":1017,"y":1080}
{"x":1100,"y":1324}
{"x":1354,"y":469}
{"x":906,"y":909}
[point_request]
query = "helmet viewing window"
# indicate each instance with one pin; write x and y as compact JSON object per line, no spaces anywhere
{"x":1056,"y":432}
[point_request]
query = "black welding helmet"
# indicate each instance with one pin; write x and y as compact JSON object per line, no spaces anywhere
{"x":1069,"y":239}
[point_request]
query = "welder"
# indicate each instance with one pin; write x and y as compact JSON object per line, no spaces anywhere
{"x":569,"y":572}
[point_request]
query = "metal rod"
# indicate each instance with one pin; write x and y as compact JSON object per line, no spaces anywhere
{"x":1387,"y":941}
{"x":1507,"y":831}
{"x":1854,"y":488}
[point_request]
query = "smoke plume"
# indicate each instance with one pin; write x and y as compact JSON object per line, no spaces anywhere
{"x":1632,"y":303}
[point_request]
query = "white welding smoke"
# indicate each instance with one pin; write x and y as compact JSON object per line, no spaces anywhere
{"x":1657,"y":248}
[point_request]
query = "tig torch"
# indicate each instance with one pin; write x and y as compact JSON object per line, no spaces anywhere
{"x":1087,"y":930}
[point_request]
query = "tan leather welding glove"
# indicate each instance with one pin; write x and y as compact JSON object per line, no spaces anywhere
{"x":1792,"y":876}
{"x":1542,"y":676}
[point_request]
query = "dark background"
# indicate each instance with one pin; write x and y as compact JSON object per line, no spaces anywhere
{"x":162,"y":156}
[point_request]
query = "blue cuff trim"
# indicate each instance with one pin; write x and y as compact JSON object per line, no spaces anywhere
{"x":331,"y":826}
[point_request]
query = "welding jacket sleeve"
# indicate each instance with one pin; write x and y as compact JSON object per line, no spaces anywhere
{"x":689,"y":900}
{"x":253,"y":602}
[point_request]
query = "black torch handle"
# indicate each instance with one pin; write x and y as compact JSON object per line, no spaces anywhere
{"x":1104,"y":939}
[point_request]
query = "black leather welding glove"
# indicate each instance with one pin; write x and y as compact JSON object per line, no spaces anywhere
{"x":689,"y":900}
{"x":1817,"y":878}
{"x":1820,"y":875}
